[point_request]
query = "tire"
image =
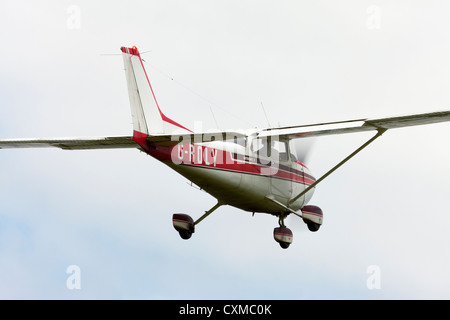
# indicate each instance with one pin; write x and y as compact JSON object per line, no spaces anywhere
{"x":313,"y":227}
{"x":284,"y":245}
{"x":185,"y":234}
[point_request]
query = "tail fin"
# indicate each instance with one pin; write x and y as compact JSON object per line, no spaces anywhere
{"x":148,"y":118}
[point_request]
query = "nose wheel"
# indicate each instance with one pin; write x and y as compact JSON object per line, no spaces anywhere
{"x":282,"y":234}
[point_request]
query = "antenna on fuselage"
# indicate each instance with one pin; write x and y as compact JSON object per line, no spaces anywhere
{"x":262,"y":105}
{"x":210,"y":108}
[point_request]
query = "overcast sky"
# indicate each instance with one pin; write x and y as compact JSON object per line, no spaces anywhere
{"x":386,"y":212}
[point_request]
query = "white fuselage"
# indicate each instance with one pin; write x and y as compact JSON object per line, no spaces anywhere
{"x":237,"y":173}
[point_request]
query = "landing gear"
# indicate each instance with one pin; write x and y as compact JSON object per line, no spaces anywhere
{"x":282,"y":234}
{"x":185,"y":225}
{"x":313,"y":217}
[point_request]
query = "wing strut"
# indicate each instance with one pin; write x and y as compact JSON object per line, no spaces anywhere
{"x":207,"y":213}
{"x":380,"y":131}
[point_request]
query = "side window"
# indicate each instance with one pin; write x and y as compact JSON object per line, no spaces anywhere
{"x":236,"y":145}
{"x":268,"y":148}
{"x":261,"y":147}
{"x":264,"y":148}
{"x":281,"y":147}
{"x":241,"y":141}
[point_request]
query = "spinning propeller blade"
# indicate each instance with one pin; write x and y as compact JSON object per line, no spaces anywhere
{"x":303,"y":149}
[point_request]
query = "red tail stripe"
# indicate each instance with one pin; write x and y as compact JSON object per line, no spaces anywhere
{"x":134,"y":51}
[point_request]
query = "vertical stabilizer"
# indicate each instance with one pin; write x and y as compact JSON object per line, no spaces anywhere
{"x":148,"y":118}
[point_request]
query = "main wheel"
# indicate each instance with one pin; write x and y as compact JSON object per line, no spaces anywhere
{"x":313,"y":217}
{"x":312,"y":226}
{"x":185,"y":234}
{"x":184,"y":224}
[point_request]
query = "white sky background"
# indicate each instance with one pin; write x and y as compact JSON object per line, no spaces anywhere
{"x":109,"y":212}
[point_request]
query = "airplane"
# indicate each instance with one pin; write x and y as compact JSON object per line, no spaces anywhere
{"x":256,"y":170}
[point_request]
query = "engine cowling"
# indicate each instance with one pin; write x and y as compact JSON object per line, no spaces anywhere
{"x":313,"y":217}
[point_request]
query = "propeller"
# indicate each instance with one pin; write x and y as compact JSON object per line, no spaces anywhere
{"x":303,"y":148}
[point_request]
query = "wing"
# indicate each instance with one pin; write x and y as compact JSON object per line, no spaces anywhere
{"x":83,"y":143}
{"x":200,"y":137}
{"x":303,"y":131}
{"x":358,"y":125}
{"x":86,"y":143}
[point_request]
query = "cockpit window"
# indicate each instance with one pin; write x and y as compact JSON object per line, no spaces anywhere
{"x":239,"y":141}
{"x":278,"y":150}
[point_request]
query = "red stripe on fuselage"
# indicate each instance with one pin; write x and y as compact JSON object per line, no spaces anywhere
{"x":255,"y":170}
{"x":201,"y":156}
